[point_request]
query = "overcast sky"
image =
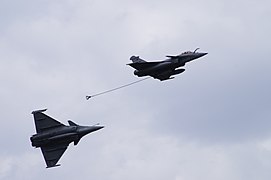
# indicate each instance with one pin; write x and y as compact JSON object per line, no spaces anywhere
{"x":212,"y":122}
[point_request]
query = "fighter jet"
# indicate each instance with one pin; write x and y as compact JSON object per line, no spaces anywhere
{"x":163,"y":70}
{"x":54,"y":137}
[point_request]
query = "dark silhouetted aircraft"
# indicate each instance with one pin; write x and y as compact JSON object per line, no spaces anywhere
{"x":54,"y":137}
{"x":163,"y":70}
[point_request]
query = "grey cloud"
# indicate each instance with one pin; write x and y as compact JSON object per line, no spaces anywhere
{"x":212,"y":122}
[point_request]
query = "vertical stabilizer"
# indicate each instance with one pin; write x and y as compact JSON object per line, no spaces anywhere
{"x":72,"y":123}
{"x":136,"y":59}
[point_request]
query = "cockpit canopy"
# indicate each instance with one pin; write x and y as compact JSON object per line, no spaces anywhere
{"x":187,"y":52}
{"x":190,"y":52}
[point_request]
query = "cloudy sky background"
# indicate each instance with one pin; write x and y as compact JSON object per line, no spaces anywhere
{"x":211,"y":122}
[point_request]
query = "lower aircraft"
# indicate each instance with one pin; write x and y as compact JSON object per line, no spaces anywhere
{"x":163,"y":70}
{"x":54,"y":137}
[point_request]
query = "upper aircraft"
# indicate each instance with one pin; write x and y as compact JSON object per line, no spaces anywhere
{"x":54,"y":137}
{"x":163,"y":70}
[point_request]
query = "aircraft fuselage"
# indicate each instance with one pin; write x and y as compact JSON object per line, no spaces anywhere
{"x":169,"y":65}
{"x":66,"y":134}
{"x":164,"y":65}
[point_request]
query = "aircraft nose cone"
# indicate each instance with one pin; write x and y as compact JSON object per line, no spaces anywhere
{"x":88,"y":129}
{"x":202,"y":54}
{"x":96,"y":128}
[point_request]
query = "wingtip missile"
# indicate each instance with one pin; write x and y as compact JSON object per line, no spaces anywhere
{"x":57,"y":165}
{"x":38,"y":111}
